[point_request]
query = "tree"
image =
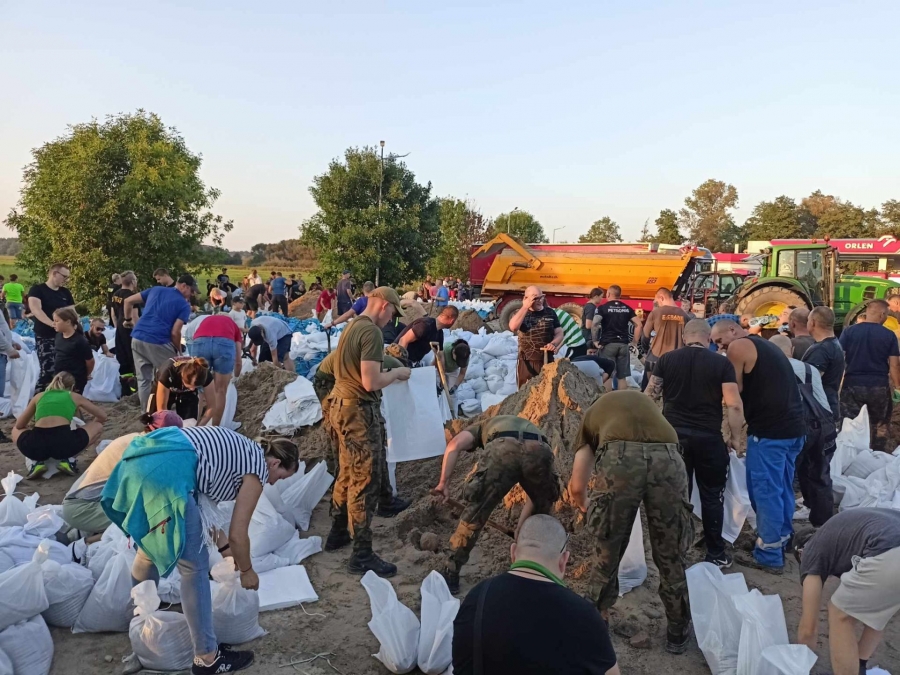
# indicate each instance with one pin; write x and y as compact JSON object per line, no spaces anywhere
{"x":390,"y":245}
{"x":106,"y":197}
{"x":667,"y":228}
{"x":603,"y":230}
{"x":890,"y":218}
{"x":707,"y":216}
{"x":780,"y":219}
{"x":258,"y":254}
{"x":462,"y":226}
{"x":520,"y":224}
{"x":838,"y":219}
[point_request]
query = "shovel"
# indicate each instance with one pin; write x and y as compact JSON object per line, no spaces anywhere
{"x":328,"y":338}
{"x":459,"y":506}
{"x":435,"y":347}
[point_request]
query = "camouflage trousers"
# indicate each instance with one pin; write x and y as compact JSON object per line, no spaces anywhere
{"x":357,"y":428}
{"x":625,"y":475}
{"x":506,"y":461}
{"x":878,"y":401}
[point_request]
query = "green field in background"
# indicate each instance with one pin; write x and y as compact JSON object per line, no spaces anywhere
{"x":8,"y":266}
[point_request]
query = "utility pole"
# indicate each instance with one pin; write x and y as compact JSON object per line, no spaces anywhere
{"x":377,"y":242}
{"x":509,"y":220}
{"x":555,"y":230}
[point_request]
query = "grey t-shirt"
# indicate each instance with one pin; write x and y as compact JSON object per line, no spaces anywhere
{"x":856,"y":532}
{"x":800,"y":345}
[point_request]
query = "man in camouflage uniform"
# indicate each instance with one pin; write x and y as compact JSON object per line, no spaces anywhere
{"x":633,"y":452}
{"x":515,"y":451}
{"x":355,"y":417}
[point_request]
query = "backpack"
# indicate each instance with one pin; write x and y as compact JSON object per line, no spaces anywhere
{"x":820,"y":427}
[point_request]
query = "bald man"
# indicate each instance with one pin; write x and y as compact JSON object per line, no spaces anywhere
{"x":539,"y":332}
{"x":801,"y":340}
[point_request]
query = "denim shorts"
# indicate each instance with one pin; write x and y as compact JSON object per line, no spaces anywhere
{"x":16,"y":310}
{"x":219,"y":352}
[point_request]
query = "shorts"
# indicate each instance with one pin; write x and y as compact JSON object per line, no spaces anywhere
{"x":252,"y":303}
{"x":283,"y":348}
{"x":870,"y":592}
{"x":619,"y":353}
{"x":219,"y":352}
{"x":40,"y":444}
{"x":16,"y":310}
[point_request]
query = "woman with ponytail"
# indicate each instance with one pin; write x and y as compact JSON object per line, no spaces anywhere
{"x":180,"y":383}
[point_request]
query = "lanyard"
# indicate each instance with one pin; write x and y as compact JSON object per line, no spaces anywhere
{"x":540,"y":569}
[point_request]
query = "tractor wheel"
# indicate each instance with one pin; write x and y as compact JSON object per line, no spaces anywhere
{"x":853,"y":315}
{"x":769,"y":300}
{"x":507,"y":312}
{"x":573,"y":309}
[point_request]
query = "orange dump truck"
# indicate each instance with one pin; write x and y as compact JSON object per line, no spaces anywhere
{"x":566,"y":273}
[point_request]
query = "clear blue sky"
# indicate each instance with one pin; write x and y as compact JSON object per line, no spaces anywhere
{"x":572,"y":110}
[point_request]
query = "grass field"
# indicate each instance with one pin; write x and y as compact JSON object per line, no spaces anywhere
{"x":8,"y":266}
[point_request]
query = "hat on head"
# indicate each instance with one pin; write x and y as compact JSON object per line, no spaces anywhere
{"x":390,"y":295}
{"x":188,"y":280}
{"x":165,"y":418}
{"x":256,"y":335}
{"x":346,"y":272}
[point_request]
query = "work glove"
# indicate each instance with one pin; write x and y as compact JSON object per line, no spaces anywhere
{"x":633,"y":349}
{"x":896,"y":396}
{"x":453,"y":390}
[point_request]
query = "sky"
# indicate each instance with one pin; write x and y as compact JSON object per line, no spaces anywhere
{"x":572,"y":111}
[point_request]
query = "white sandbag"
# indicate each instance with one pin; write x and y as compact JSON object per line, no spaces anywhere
{"x":633,"y":565}
{"x":788,"y":660}
{"x":439,"y":609}
{"x":413,"y":420}
{"x":475,"y":371}
{"x":393,"y":623}
{"x":6,"y":561}
{"x":28,"y":646}
{"x":247,"y":366}
{"x":6,"y":667}
{"x":235,"y":609}
{"x":487,"y":400}
{"x":867,"y":462}
{"x":301,"y":496}
{"x":13,"y":511}
{"x":852,"y":439}
{"x":22,"y":379}
{"x":507,"y":389}
{"x":500,"y":344}
{"x":231,"y":398}
{"x":717,"y":623}
{"x":471,"y":407}
{"x":44,"y":521}
{"x":494,"y":382}
{"x":763,"y":627}
{"x":291,"y":553}
{"x":160,"y":640}
{"x":465,"y":393}
{"x":22,"y":594}
{"x":101,"y":552}
{"x":19,"y":545}
{"x":169,"y":588}
{"x":285,"y":587}
{"x":479,"y":386}
{"x":107,"y":609}
{"x":68,"y":588}
{"x":736,"y":498}
{"x":299,"y":408}
{"x":268,"y":529}
{"x":104,"y":385}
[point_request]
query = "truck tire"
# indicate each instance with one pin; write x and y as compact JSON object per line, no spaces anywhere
{"x":507,"y":312}
{"x":573,"y":309}
{"x":769,"y":300}
{"x":891,"y":323}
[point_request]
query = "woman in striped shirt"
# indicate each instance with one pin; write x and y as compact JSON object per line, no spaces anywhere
{"x":164,"y":493}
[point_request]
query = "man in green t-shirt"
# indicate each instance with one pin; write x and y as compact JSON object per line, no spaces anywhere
{"x":12,"y":293}
{"x":355,"y":415}
{"x":515,"y":451}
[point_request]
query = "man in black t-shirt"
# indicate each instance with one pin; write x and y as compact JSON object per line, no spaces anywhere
{"x":827,"y":355}
{"x":615,"y":316}
{"x":253,"y":295}
{"x":589,"y":331}
{"x":124,"y":355}
{"x":417,"y":337}
{"x":223,"y":282}
{"x":540,"y":334}
{"x":530,"y":623}
{"x":693,"y":382}
{"x":43,"y":300}
{"x":114,"y":285}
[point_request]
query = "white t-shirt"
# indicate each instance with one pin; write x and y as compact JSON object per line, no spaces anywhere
{"x":90,"y":484}
{"x":240,"y":318}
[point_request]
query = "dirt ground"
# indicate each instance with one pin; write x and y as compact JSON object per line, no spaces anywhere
{"x":297,"y":634}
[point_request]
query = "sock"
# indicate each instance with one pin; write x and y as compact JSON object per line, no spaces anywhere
{"x":862,"y":666}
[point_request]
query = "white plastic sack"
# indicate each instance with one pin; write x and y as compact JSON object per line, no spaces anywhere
{"x":788,"y":660}
{"x":465,"y":393}
{"x":22,"y":379}
{"x":160,"y":640}
{"x":763,"y":627}
{"x":736,"y":498}
{"x":300,"y":407}
{"x":68,"y":588}
{"x":475,"y":371}
{"x":19,"y":545}
{"x":104,"y":385}
{"x":633,"y":565}
{"x":235,"y":609}
{"x":500,"y":344}
{"x":13,"y":511}
{"x":44,"y":521}
{"x":22,"y":594}
{"x":231,"y":397}
{"x":852,"y":440}
{"x":439,"y":609}
{"x":393,"y":623}
{"x":268,"y":529}
{"x":413,"y":421}
{"x":107,"y":609}
{"x":471,"y":407}
{"x":487,"y":400}
{"x":169,"y":588}
{"x":717,"y":623}
{"x":868,"y":462}
{"x":28,"y":646}
{"x":301,"y":496}
{"x":101,"y":552}
{"x":285,"y":587}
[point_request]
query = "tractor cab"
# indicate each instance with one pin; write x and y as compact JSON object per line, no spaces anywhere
{"x":709,"y":289}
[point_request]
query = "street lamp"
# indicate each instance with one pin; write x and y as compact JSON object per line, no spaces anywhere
{"x":555,"y":230}
{"x":377,"y":242}
{"x":509,"y":220}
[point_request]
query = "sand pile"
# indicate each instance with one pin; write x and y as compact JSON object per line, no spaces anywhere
{"x":412,"y":310}
{"x":304,"y":307}
{"x":470,"y":321}
{"x":124,"y":417}
{"x":257,"y":392}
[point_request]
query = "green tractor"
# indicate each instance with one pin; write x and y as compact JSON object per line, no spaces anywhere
{"x":808,"y":275}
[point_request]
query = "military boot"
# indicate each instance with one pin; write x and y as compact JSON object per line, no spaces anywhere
{"x":393,"y":507}
{"x":677,"y":640}
{"x":339,"y":535}
{"x":451,"y":576}
{"x":364,"y":560}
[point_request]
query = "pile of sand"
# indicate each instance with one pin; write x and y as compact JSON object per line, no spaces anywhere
{"x":257,"y":392}
{"x":123,"y":417}
{"x":412,"y":310}
{"x":470,"y":321}
{"x":304,"y":307}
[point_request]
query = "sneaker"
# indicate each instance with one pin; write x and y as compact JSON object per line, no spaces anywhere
{"x":392,"y":508}
{"x":68,"y":467}
{"x":225,"y":662}
{"x":722,"y":561}
{"x":79,"y":551}
{"x":677,"y":642}
{"x":451,"y":576}
{"x":363,"y":561}
{"x":37,"y":470}
{"x":337,"y":539}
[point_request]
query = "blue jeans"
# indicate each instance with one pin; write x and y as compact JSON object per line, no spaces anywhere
{"x":16,"y":310}
{"x":196,"y":598}
{"x":770,"y":483}
{"x":219,"y":353}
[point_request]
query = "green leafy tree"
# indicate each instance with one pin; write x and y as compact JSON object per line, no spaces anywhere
{"x":258,"y":254}
{"x":838,"y":219}
{"x":462,"y":226}
{"x":603,"y":230}
{"x":390,"y":245}
{"x":115,"y":195}
{"x":780,"y":219}
{"x":707,"y":216}
{"x":520,"y":224}
{"x":890,"y":218}
{"x":667,"y":231}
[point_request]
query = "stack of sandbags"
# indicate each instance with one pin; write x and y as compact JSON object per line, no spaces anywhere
{"x":25,"y":641}
{"x":491,"y":375}
{"x":298,"y":406}
{"x":862,"y":477}
{"x":107,"y":609}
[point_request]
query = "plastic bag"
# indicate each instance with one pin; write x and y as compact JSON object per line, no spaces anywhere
{"x":68,"y":588}
{"x":439,"y":609}
{"x":717,"y":623}
{"x":23,"y":377}
{"x":160,"y":640}
{"x":302,"y":495}
{"x":393,"y":623}
{"x":104,"y":385}
{"x":867,"y":462}
{"x":736,"y":500}
{"x":633,"y":565}
{"x":22,"y":594}
{"x":6,"y":667}
{"x":763,"y":627}
{"x":235,"y":609}
{"x":852,"y":440}
{"x":788,"y":660}
{"x":13,"y":511}
{"x":28,"y":646}
{"x":107,"y":609}
{"x":102,"y":551}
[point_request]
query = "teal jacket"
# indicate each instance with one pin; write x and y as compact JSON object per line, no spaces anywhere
{"x":147,"y":493}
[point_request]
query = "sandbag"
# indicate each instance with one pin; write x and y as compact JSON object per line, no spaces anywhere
{"x":28,"y":646}
{"x":788,"y":660}
{"x":736,"y":499}
{"x":867,"y":462}
{"x":231,"y":397}
{"x":169,"y":588}
{"x":475,"y":371}
{"x":104,"y":385}
{"x":160,"y":640}
{"x":235,"y":609}
{"x":852,"y":439}
{"x":22,"y":594}
{"x":68,"y":588}
{"x":107,"y":609}
{"x":439,"y":609}
{"x":5,"y":665}
{"x":13,"y":511}
{"x":487,"y":400}
{"x":763,"y":627}
{"x":19,"y":545}
{"x":299,"y":407}
{"x":393,"y":623}
{"x":413,"y":418}
{"x":23,"y":377}
{"x":268,"y":529}
{"x":101,"y":552}
{"x":717,"y":623}
{"x":301,"y":496}
{"x":633,"y":565}
{"x":471,"y":407}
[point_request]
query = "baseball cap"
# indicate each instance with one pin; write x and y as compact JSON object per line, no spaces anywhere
{"x":255,"y":335}
{"x":346,"y":272}
{"x":188,"y":280}
{"x":390,"y":295}
{"x":165,"y":418}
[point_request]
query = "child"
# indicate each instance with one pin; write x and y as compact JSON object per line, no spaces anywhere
{"x":96,"y":339}
{"x":73,"y":352}
{"x":238,"y":315}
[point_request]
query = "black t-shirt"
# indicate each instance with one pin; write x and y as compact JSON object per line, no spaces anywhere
{"x":170,"y":377}
{"x":392,"y":330}
{"x":50,"y":302}
{"x":532,"y":627}
{"x":588,"y":313}
{"x":692,"y":387}
{"x":96,"y":340}
{"x":110,"y":292}
{"x":536,"y":332}
{"x":222,"y":280}
{"x":118,"y":304}
{"x":615,"y":317}
{"x":72,"y":355}
{"x":771,"y":395}
{"x":426,"y":332}
{"x":255,"y":291}
{"x":828,"y":357}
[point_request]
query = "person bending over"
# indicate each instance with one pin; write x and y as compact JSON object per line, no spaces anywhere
{"x":180,"y":382}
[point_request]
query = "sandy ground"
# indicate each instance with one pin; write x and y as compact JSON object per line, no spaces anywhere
{"x":343,"y":629}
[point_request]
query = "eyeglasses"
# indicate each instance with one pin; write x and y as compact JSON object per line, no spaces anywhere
{"x":565,"y":543}
{"x":64,"y":276}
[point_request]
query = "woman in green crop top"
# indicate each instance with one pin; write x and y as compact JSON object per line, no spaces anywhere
{"x":52,"y":436}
